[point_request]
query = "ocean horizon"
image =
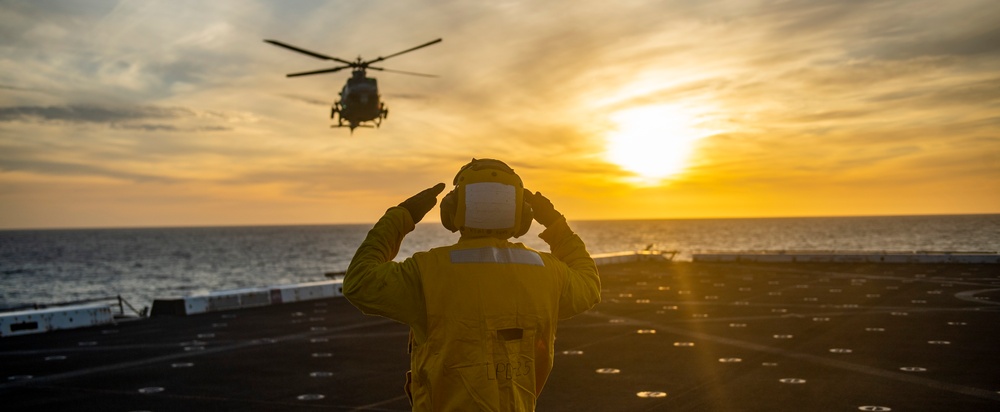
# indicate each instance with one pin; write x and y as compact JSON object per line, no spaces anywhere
{"x":425,"y":221}
{"x":47,"y":266}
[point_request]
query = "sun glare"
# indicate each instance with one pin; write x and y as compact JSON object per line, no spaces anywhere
{"x":654,"y":142}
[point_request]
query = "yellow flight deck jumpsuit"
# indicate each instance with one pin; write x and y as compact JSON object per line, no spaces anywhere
{"x":482,"y":313}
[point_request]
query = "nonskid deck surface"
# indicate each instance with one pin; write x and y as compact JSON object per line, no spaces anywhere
{"x":668,"y":336}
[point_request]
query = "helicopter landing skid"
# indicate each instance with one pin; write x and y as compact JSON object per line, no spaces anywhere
{"x":368,"y":126}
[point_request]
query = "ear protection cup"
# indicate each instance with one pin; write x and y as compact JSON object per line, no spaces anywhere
{"x":527,"y":215}
{"x":449,"y":205}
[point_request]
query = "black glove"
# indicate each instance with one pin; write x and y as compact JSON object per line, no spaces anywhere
{"x":422,"y":202}
{"x":542,"y":208}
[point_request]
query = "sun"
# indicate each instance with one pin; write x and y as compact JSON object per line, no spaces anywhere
{"x":654,"y":142}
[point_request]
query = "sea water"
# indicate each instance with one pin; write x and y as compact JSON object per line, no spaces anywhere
{"x":50,"y":266}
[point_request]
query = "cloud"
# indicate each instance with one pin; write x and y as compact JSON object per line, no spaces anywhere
{"x":117,"y":117}
{"x":62,"y":168}
{"x":169,"y":128}
{"x":90,"y":113}
{"x":804,"y":93}
{"x":308,"y":100}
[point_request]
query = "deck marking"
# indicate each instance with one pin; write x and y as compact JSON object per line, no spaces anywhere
{"x":181,"y":355}
{"x":839,"y":364}
{"x":970,"y":296}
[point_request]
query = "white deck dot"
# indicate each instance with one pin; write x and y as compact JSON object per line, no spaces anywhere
{"x":311,"y":397}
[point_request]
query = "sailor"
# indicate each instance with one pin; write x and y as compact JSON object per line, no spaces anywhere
{"x":482,"y":312}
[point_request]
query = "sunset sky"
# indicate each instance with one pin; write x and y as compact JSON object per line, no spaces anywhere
{"x":143,"y":113}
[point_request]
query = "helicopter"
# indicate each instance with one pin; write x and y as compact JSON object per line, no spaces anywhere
{"x":359,"y":104}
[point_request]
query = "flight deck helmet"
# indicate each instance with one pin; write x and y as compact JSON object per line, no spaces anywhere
{"x":488,"y":200}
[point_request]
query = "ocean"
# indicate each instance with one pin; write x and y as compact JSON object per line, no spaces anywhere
{"x":52,"y":266}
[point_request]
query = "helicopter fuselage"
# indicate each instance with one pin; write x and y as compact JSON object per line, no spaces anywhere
{"x":359,"y":100}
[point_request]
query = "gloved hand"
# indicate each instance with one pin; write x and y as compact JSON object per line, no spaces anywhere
{"x":422,"y":202}
{"x":544,"y":212}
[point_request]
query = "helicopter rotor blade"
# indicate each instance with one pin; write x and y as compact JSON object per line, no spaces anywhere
{"x":304,"y":51}
{"x":380,"y":58}
{"x":402,"y":72}
{"x":331,"y":70}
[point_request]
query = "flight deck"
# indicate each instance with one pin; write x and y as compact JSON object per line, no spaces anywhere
{"x":678,"y":336}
